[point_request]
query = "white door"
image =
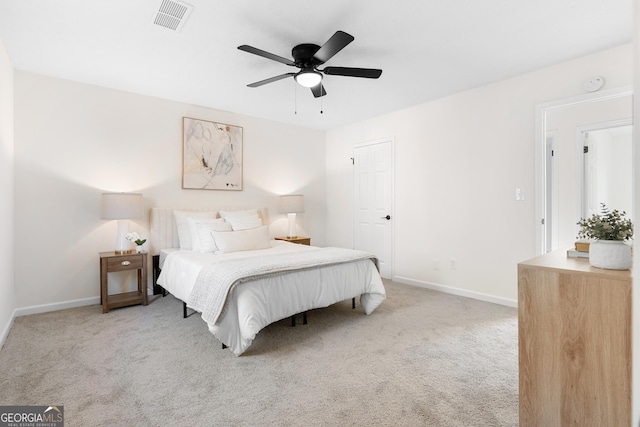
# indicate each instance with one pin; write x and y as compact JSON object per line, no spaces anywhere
{"x":373,"y":202}
{"x":551,"y":192}
{"x":590,"y":177}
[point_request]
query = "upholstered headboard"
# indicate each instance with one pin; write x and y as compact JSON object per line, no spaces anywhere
{"x":163,"y":232}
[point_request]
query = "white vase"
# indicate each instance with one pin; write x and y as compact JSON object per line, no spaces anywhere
{"x":138,"y":248}
{"x":610,"y":254}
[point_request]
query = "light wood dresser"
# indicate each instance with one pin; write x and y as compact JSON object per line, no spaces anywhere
{"x":574,"y":343}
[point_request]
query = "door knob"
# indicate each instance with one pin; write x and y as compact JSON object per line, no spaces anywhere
{"x":388,"y":217}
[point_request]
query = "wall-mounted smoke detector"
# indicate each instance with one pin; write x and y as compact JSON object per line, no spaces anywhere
{"x":171,"y":14}
{"x":593,"y":84}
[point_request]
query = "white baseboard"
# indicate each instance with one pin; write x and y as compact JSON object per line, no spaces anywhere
{"x":7,"y":328}
{"x":63,"y":305}
{"x":45,"y":308}
{"x":457,"y":291}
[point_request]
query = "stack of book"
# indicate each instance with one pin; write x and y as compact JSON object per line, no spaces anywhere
{"x":581,"y":250}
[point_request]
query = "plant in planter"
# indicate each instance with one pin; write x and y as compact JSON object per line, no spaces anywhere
{"x":136,"y":239}
{"x":609,"y":230}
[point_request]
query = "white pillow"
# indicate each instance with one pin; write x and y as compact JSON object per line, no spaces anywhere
{"x":245,"y":240}
{"x":239,"y":213}
{"x":242,"y":219}
{"x":182,"y":224}
{"x":201,"y":233}
{"x":244,"y":222}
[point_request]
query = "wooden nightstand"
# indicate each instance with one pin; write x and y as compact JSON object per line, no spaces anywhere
{"x":111,"y":262}
{"x":297,"y":239}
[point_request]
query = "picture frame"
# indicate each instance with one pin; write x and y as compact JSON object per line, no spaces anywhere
{"x":212,"y":155}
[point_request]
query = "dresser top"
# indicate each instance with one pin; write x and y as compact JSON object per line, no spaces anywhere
{"x":558,"y":260}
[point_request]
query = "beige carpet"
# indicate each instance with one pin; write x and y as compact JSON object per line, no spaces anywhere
{"x":423,"y":358}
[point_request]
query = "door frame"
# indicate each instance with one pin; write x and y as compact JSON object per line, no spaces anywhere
{"x":356,"y":145}
{"x":540,"y":150}
{"x":551,"y":190}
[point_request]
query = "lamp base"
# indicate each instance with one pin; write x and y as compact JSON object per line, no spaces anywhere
{"x":122,"y":245}
{"x":292,"y":225}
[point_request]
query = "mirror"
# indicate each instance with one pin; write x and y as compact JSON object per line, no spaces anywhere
{"x":571,"y":180}
{"x":607,"y":168}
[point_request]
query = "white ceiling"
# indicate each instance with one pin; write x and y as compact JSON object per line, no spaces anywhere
{"x":427,"y":49}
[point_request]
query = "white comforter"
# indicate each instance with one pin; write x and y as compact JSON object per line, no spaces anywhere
{"x":253,"y":305}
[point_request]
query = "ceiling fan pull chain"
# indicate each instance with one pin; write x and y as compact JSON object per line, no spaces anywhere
{"x":321,"y":101}
{"x":295,"y":98}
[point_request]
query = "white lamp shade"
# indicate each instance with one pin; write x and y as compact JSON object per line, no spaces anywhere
{"x":122,"y":205}
{"x":293,"y":203}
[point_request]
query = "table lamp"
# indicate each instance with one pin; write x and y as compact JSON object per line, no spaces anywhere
{"x":291,"y":205}
{"x":123,"y":207}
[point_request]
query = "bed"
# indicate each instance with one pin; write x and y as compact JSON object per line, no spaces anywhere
{"x":240,"y":280}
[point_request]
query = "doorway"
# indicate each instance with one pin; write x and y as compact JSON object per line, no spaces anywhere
{"x":373,"y":201}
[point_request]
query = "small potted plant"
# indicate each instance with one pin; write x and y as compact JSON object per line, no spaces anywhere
{"x":610,"y":231}
{"x":135,"y":238}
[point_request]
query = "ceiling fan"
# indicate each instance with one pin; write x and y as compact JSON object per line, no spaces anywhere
{"x":308,"y":57}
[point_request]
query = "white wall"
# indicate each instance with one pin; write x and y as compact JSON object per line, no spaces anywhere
{"x":458,"y":161}
{"x":75,"y":141}
{"x":7,"y":296}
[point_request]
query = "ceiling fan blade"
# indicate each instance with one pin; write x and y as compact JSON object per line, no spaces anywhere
{"x":369,"y":73}
{"x":265,"y":54}
{"x":335,"y":44}
{"x":271,"y":80}
{"x":318,"y":90}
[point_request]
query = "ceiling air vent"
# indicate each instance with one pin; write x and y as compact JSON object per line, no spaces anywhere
{"x":172,"y":14}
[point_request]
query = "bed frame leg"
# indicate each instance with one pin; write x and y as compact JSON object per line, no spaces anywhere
{"x":157,"y":289}
{"x":184,"y":310}
{"x":353,"y":302}
{"x":304,"y":319}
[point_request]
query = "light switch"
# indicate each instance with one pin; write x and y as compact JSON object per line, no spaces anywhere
{"x":519,"y":194}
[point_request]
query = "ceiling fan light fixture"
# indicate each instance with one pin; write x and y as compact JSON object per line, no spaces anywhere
{"x":308,"y":77}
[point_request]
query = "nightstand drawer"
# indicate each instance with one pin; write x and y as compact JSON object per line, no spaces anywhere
{"x":133,"y":262}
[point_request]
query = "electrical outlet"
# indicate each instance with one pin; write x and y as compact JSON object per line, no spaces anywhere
{"x":453,"y":264}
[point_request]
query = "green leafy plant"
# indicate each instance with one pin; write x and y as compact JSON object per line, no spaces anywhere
{"x":135,"y":238}
{"x":608,"y":225}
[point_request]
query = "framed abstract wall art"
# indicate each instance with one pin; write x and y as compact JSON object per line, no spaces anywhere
{"x":211,"y":155}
